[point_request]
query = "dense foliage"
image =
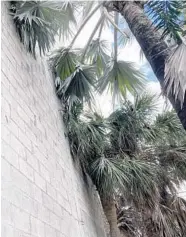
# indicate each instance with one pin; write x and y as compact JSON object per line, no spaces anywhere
{"x":39,"y":22}
{"x":131,"y":155}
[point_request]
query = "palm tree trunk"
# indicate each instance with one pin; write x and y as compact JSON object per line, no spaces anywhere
{"x":154,"y":48}
{"x":110,"y":213}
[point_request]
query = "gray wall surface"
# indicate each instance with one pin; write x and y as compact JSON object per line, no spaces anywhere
{"x":43,"y":193}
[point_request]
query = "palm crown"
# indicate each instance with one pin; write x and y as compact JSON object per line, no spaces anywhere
{"x":38,"y":23}
{"x":124,"y":156}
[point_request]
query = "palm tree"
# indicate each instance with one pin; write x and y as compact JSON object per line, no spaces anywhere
{"x":166,"y":150}
{"x":153,"y":23}
{"x":123,"y":156}
{"x":110,"y":171}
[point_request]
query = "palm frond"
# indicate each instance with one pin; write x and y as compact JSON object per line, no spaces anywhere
{"x":38,"y":22}
{"x":168,"y":129}
{"x":97,"y":54}
{"x":132,"y":176}
{"x":121,"y":77}
{"x":142,"y":185}
{"x":131,"y":124}
{"x":122,"y":134}
{"x":166,"y":17}
{"x":68,"y":23}
{"x":79,"y":84}
{"x":107,"y":174}
{"x":175,"y":160}
{"x":86,"y":134}
{"x":175,"y":72}
{"x":145,"y":104}
{"x":64,"y":62}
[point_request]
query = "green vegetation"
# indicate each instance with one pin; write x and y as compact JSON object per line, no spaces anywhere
{"x":134,"y":157}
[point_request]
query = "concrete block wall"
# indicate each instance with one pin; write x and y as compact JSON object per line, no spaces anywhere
{"x":43,"y":193}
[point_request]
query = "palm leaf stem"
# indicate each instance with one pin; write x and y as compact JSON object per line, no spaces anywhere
{"x":115,"y":36}
{"x":101,"y":28}
{"x":112,"y":22}
{"x":91,"y":37}
{"x":84,"y":23}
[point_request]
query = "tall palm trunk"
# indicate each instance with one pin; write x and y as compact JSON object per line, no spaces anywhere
{"x":110,"y":213}
{"x":154,"y":48}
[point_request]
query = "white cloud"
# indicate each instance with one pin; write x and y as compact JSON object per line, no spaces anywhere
{"x":131,"y":52}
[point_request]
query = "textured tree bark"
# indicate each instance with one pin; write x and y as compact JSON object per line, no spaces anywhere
{"x":154,"y":48}
{"x":110,"y":213}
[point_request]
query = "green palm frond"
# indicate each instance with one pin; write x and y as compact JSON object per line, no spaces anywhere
{"x":64,"y":62}
{"x":86,"y":134}
{"x":107,"y":174}
{"x":122,"y":134}
{"x":168,"y":129}
{"x":68,"y":22}
{"x":79,"y":84}
{"x":175,"y":72}
{"x":131,"y":124}
{"x":121,"y":77}
{"x":175,"y":161}
{"x":166,"y":17}
{"x":132,"y":176}
{"x":97,"y":54}
{"x":145,"y":105}
{"x":143,"y":182}
{"x":38,"y":22}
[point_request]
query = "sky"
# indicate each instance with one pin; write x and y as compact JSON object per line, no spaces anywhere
{"x":129,"y":52}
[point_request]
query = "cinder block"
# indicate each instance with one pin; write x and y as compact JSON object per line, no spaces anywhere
{"x":26,"y":169}
{"x":7,"y":230}
{"x":37,"y":227}
{"x":51,"y":191}
{"x":43,"y":192}
{"x":21,"y":219}
{"x":48,"y":201}
{"x":39,"y":181}
{"x":9,"y":154}
{"x":20,"y":181}
{"x":6,"y":212}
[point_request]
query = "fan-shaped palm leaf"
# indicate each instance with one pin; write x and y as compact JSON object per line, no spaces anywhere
{"x":175,"y":72}
{"x":168,"y":129}
{"x":121,"y":77}
{"x":38,"y":22}
{"x":107,"y":174}
{"x":142,"y":185}
{"x":175,"y":159}
{"x":133,"y":176}
{"x":79,"y":84}
{"x":97,"y":54}
{"x":86,"y":134}
{"x":131,"y":123}
{"x":64,"y":62}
